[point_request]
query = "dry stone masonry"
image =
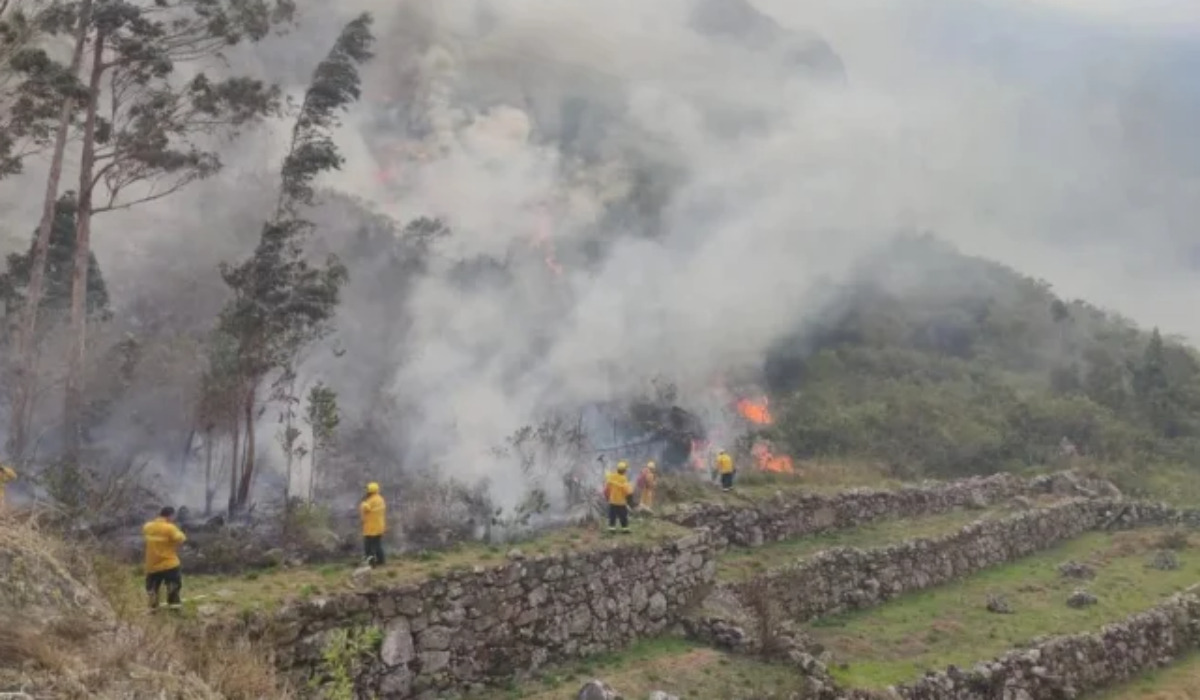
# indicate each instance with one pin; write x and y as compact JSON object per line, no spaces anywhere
{"x":471,"y":629}
{"x":487,"y":625}
{"x":844,"y":578}
{"x":791,"y":515}
{"x":1058,"y":667}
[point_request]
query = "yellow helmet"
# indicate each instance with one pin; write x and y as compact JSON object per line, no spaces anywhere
{"x":622,"y":466}
{"x":372,"y":487}
{"x":650,"y":464}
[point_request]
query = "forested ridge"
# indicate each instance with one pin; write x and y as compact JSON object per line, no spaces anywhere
{"x":939,"y":363}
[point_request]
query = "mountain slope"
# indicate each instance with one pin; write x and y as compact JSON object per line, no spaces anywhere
{"x":945,"y":364}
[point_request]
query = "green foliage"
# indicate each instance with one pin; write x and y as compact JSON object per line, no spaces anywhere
{"x":33,"y":86}
{"x":944,"y":364}
{"x":322,"y":415}
{"x":153,"y":131}
{"x":282,"y":303}
{"x":56,"y":295}
{"x":335,"y":85}
{"x":343,"y":656}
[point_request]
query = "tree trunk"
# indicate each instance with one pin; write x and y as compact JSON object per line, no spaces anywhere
{"x":234,"y":462}
{"x":289,"y":459}
{"x":25,"y":389}
{"x":73,"y":405}
{"x":248,"y":467}
{"x":209,"y":489}
{"x":312,"y":472}
{"x":187,"y":450}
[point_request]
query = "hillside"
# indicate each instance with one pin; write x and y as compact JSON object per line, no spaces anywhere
{"x":938,"y":363}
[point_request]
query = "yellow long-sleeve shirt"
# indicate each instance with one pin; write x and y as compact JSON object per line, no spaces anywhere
{"x":724,"y":463}
{"x":373,"y":510}
{"x":617,"y":488}
{"x":163,"y":538}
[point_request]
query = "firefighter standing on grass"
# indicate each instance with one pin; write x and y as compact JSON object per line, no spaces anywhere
{"x":373,"y":510}
{"x":163,"y":538}
{"x":617,"y":490}
{"x":725,"y":470}
{"x":646,"y":482}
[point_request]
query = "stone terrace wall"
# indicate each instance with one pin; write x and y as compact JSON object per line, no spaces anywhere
{"x":798,"y":514}
{"x":485,"y":626}
{"x":845,"y":578}
{"x":1060,"y":667}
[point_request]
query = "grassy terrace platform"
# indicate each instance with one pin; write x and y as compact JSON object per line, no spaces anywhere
{"x":740,"y":564}
{"x":259,"y":589}
{"x":899,"y":641}
{"x":670,"y":664}
{"x":1180,"y":681}
{"x":264,"y":588}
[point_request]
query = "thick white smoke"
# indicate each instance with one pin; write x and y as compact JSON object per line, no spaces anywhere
{"x":754,"y":168}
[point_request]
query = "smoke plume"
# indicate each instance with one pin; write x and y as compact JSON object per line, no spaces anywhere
{"x":640,"y":189}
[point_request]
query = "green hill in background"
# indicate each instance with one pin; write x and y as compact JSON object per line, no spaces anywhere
{"x":940,"y":364}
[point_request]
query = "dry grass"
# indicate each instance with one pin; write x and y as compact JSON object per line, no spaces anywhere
{"x":74,"y":628}
{"x":236,"y":668}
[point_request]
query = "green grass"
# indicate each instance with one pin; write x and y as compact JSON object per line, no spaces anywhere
{"x":929,"y":630}
{"x":673,"y":665}
{"x":740,"y":564}
{"x":1175,"y":484}
{"x":753,"y":485}
{"x":259,"y":589}
{"x":1179,"y":681}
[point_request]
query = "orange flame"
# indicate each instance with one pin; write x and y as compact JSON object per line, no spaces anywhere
{"x":771,"y":462}
{"x":755,"y":411}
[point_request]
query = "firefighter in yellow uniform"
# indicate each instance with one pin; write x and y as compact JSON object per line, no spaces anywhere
{"x":725,"y":470}
{"x":647,"y":480}
{"x":618,"y":490}
{"x":7,"y":474}
{"x":163,"y":538}
{"x":373,"y":510}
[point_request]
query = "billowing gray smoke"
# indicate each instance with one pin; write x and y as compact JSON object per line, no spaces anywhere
{"x":642,"y":189}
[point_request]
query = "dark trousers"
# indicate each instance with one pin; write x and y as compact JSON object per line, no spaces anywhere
{"x":616,"y":513}
{"x":173,"y":578}
{"x":727,"y":481}
{"x":373,"y":549}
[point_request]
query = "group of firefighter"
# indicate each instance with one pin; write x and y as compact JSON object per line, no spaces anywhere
{"x":619,"y":491}
{"x":163,"y":536}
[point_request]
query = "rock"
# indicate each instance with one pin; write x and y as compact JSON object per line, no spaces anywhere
{"x":433,"y":661}
{"x":597,"y":690}
{"x":361,"y":577}
{"x":516,"y":555}
{"x":660,"y":695}
{"x":998,"y":604}
{"x":1164,"y":560}
{"x":1081,"y":598}
{"x":1075,"y":570}
{"x":398,"y":648}
{"x":658,"y":606}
